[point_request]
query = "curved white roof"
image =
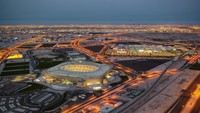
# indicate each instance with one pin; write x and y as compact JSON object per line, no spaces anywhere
{"x":83,"y":69}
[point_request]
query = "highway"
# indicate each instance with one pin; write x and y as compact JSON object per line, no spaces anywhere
{"x":178,"y":105}
{"x":80,"y":107}
{"x":76,"y":45}
{"x":194,"y":58}
{"x":119,"y":88}
{"x":11,"y":48}
{"x":145,"y":96}
{"x":187,"y":100}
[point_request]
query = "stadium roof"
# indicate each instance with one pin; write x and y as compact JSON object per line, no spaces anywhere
{"x":83,"y":69}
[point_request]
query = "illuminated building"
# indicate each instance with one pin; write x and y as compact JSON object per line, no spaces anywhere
{"x":15,"y":55}
{"x":78,"y":74}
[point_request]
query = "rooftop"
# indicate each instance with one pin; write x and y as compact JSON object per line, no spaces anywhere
{"x":79,"y":69}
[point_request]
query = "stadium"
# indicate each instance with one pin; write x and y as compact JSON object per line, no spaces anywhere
{"x":80,"y":74}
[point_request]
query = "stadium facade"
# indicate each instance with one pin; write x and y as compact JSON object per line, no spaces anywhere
{"x":79,"y":74}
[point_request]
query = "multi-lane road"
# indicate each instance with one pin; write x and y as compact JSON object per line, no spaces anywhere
{"x":12,"y":48}
{"x":188,"y":101}
{"x":79,"y":107}
{"x":76,"y":44}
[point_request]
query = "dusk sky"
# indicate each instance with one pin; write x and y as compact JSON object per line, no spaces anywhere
{"x":99,"y":11}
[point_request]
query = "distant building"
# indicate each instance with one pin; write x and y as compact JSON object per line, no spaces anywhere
{"x":75,"y":56}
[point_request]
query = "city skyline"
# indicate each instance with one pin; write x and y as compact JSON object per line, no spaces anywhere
{"x":99,"y":56}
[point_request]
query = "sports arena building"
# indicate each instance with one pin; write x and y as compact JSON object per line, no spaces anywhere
{"x":79,"y":74}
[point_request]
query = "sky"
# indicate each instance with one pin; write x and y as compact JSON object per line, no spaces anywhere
{"x":99,"y":12}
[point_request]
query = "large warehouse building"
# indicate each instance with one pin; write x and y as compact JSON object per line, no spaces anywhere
{"x":80,"y":74}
